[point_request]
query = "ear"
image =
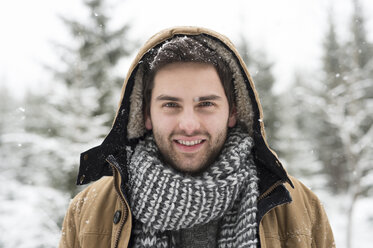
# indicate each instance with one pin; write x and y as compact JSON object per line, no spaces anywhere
{"x":148,"y":122}
{"x":232,"y":120}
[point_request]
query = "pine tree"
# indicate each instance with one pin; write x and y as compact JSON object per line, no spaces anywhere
{"x":22,"y":195}
{"x":326,"y":132}
{"x":11,"y":122}
{"x":338,"y":116}
{"x":357,"y":129}
{"x":77,"y":111}
{"x":84,"y":102}
{"x":8,"y":104}
{"x":90,"y":65}
{"x":55,"y":127}
{"x":296,"y":133}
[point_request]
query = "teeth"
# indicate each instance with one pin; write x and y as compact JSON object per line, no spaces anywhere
{"x":189,"y":143}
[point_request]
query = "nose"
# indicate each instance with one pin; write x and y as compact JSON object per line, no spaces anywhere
{"x":189,"y":122}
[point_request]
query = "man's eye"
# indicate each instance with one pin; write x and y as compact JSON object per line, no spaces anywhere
{"x":170,"y":105}
{"x":206,"y":104}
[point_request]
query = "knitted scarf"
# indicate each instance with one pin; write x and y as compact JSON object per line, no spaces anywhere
{"x":164,"y":200}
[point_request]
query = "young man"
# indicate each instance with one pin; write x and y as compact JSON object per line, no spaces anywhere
{"x":186,"y":163}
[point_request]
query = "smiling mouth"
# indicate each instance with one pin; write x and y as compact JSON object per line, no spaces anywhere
{"x":189,"y":142}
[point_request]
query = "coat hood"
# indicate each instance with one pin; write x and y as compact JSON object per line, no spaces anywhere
{"x":128,"y":125}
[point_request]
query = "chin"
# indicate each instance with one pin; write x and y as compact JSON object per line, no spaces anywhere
{"x":191,"y":170}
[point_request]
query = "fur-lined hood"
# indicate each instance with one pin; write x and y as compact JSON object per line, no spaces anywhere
{"x":128,"y":125}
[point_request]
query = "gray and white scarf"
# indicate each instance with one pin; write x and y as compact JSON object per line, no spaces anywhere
{"x":163,"y":200}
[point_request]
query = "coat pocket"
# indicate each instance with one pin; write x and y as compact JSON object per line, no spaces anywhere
{"x":93,"y":240}
{"x":290,"y":241}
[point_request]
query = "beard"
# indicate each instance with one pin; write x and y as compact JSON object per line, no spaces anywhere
{"x":190,"y":163}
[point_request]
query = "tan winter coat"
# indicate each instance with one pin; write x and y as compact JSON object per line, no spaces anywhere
{"x":91,"y":220}
{"x":289,"y":214}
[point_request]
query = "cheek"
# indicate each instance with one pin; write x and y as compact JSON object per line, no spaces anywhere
{"x":214,"y":124}
{"x":219,"y":119}
{"x":163,"y":123}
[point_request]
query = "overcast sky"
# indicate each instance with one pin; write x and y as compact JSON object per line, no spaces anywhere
{"x":290,"y":31}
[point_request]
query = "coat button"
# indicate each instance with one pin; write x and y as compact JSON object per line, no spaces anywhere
{"x":82,"y":179}
{"x":117,"y":215}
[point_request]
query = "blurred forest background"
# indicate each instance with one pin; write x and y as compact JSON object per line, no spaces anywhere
{"x":321,"y":126}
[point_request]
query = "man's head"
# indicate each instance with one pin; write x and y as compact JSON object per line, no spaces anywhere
{"x":189,"y":106}
{"x":187,"y":49}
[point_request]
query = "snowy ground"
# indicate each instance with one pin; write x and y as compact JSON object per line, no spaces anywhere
{"x":28,"y":215}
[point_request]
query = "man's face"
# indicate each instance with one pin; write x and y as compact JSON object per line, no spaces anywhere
{"x":189,"y":115}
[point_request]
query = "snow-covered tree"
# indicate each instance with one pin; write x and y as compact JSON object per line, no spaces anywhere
{"x":338,"y":113}
{"x":11,"y":121}
{"x":90,"y":64}
{"x":356,"y":114}
{"x":316,"y":96}
{"x":7,"y":106}
{"x":295,"y":135}
{"x":26,"y":206}
{"x":42,"y":137}
{"x":82,"y":103}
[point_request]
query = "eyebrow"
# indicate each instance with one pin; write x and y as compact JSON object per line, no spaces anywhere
{"x":167,"y":98}
{"x":207,"y":98}
{"x":195,"y":99}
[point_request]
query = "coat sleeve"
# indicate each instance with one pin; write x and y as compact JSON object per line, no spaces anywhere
{"x":302,"y":223}
{"x":322,"y":235}
{"x":321,"y":232}
{"x":70,"y":228}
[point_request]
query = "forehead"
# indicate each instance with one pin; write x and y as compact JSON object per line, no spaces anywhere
{"x":185,"y":78}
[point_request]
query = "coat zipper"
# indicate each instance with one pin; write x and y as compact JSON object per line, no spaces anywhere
{"x":125,"y":212}
{"x":260,"y":240}
{"x":269,"y":191}
{"x":265,"y":194}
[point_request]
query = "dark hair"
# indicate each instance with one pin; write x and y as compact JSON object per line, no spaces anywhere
{"x":185,"y":49}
